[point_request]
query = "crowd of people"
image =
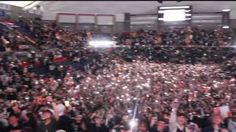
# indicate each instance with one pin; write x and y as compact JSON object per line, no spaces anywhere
{"x":141,"y":87}
{"x":179,"y":36}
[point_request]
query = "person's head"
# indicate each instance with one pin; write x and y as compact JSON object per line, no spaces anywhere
{"x":193,"y":126}
{"x":98,"y":120}
{"x":142,"y":127}
{"x":181,"y":119}
{"x":216,"y":119}
{"x":161,"y":124}
{"x":60,"y":130}
{"x":122,"y":128}
{"x":78,"y":118}
{"x":46,"y":115}
{"x":16,"y":107}
{"x":13,"y":119}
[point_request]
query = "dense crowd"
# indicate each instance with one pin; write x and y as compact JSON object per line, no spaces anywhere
{"x":179,"y":36}
{"x":142,"y":87}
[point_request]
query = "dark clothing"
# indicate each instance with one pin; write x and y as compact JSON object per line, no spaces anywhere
{"x":10,"y":128}
{"x":78,"y":128}
{"x":31,"y":124}
{"x":208,"y":129}
{"x":65,"y":123}
{"x":2,"y":127}
{"x":154,"y":129}
{"x":2,"y":48}
{"x":51,"y":127}
{"x":202,"y":122}
{"x":178,"y":130}
{"x":94,"y":128}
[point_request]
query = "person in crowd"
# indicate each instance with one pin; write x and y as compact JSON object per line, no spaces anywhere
{"x":14,"y":124}
{"x":177,"y":122}
{"x":231,"y":121}
{"x":216,"y":126}
{"x":29,"y":122}
{"x":193,"y":127}
{"x":48,"y":123}
{"x":160,"y":126}
{"x":97,"y":125}
{"x":80,"y":124}
{"x":64,"y":122}
{"x":143,"y":127}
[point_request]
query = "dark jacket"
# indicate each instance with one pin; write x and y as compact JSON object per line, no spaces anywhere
{"x":52,"y":127}
{"x":210,"y":129}
{"x":94,"y":128}
{"x":65,"y":123}
{"x":154,"y":129}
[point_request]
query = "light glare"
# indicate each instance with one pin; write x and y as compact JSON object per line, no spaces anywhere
{"x":132,"y":123}
{"x":226,"y":10}
{"x":225,"y":27}
{"x":102,"y":43}
{"x":175,"y":7}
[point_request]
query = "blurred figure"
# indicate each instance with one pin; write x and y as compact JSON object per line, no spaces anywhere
{"x":216,"y":124}
{"x":192,"y":127}
{"x":160,"y":126}
{"x":64,"y":122}
{"x":231,"y":122}
{"x":2,"y":127}
{"x":80,"y":124}
{"x":14,"y":125}
{"x":49,"y":123}
{"x":98,"y":125}
{"x":142,"y":127}
{"x":30,"y":122}
{"x":27,"y":129}
{"x":177,"y":123}
{"x":181,"y":123}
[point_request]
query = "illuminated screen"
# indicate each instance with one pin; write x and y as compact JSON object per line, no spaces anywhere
{"x":174,"y":15}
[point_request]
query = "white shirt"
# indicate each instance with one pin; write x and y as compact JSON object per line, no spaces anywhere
{"x":232,"y":126}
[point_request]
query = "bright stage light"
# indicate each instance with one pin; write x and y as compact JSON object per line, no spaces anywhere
{"x":102,"y":43}
{"x":226,"y":10}
{"x":225,"y":27}
{"x":133,"y":123}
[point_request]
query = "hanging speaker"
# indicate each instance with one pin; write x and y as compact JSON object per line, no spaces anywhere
{"x":225,"y":18}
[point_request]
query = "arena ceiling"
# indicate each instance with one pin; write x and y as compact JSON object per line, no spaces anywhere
{"x":50,"y":8}
{"x":17,"y":3}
